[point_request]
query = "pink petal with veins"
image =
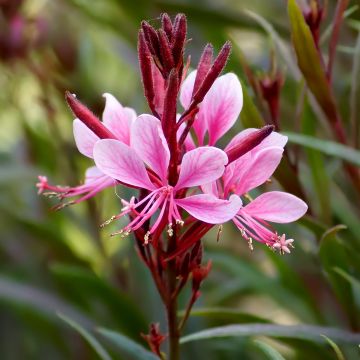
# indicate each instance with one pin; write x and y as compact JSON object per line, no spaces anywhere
{"x":85,"y":139}
{"x":209,"y":208}
{"x":187,"y":89}
{"x":148,"y":141}
{"x":118,"y":119}
{"x":201,"y":166}
{"x":120,"y":162}
{"x":259,"y":169}
{"x":222,"y":106}
{"x":277,"y":206}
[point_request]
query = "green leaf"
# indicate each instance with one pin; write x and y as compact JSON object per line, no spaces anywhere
{"x":309,"y":62}
{"x":268,"y":350}
{"x":327,"y":147}
{"x":303,"y":332}
{"x":246,"y":277}
{"x":88,"y":337}
{"x":92,"y":289}
{"x":128,"y":347}
{"x":282,"y":49}
{"x":222,"y":313}
{"x":351,"y":279}
{"x":332,"y":253}
{"x":43,"y":302}
{"x":250,"y":116}
{"x":355,"y":93}
{"x":316,"y":162}
{"x":335,"y":347}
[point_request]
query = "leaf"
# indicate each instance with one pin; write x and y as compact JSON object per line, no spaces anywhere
{"x":309,"y":62}
{"x":279,"y":43}
{"x":270,"y":352}
{"x":43,"y":302}
{"x":250,"y":116}
{"x":332,"y":253}
{"x":351,"y":279}
{"x":316,"y":162}
{"x":245,"y":276}
{"x":355,"y":94}
{"x":327,"y":147}
{"x":223,"y":313}
{"x":338,"y":352}
{"x":127,"y":346}
{"x":92,"y":289}
{"x":303,"y":332}
{"x":88,"y":337}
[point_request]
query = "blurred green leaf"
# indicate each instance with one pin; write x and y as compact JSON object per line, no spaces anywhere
{"x":310,"y":63}
{"x":351,"y":279}
{"x":306,"y":332}
{"x":268,"y":350}
{"x":355,"y":94}
{"x":332,"y":253}
{"x":128,"y":347}
{"x":317,"y":166}
{"x":335,"y":347}
{"x":327,"y":147}
{"x":39,"y":300}
{"x":95,"y":291}
{"x":222,"y":313}
{"x":90,"y":339}
{"x":250,"y":116}
{"x":248,"y":277}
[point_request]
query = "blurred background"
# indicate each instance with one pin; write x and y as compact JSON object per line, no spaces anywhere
{"x":53,"y":262}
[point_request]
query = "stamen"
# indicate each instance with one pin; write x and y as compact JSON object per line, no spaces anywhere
{"x":146,"y":238}
{"x":107,"y":222}
{"x":170,"y":230}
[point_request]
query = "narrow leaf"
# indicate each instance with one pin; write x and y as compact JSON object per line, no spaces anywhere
{"x":88,"y":337}
{"x":222,"y":313}
{"x":304,"y":332}
{"x":127,"y":346}
{"x":310,"y":63}
{"x":327,"y":147}
{"x":268,"y":350}
{"x":335,"y":347}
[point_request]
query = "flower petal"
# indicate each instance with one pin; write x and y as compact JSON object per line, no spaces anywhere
{"x":148,"y":140}
{"x":258,"y":169}
{"x":222,"y":106}
{"x":120,"y":162}
{"x":187,"y":89}
{"x":277,"y":206}
{"x":209,"y":208}
{"x":201,"y":166}
{"x":93,"y":173}
{"x":118,"y":119}
{"x":85,"y":139}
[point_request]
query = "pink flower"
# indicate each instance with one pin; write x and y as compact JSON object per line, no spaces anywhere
{"x":118,"y":120}
{"x":250,"y":171}
{"x":149,"y":154}
{"x":217,"y":114}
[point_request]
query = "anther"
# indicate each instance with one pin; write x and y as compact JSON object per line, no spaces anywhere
{"x":146,"y":238}
{"x":107,"y":222}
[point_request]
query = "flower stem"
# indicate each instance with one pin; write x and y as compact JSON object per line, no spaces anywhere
{"x":171,"y":306}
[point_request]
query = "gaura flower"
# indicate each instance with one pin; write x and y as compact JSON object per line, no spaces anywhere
{"x":217,"y":114}
{"x":118,"y":120}
{"x":148,"y":153}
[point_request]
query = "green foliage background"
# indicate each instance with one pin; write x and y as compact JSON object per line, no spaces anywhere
{"x":60,"y":262}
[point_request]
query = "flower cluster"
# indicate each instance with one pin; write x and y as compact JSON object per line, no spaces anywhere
{"x":186,"y":183}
